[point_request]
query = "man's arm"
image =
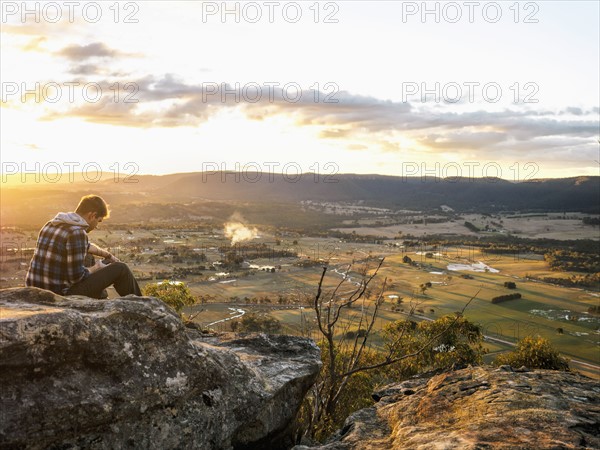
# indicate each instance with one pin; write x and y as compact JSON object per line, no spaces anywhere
{"x":76,"y":248}
{"x":93,"y":249}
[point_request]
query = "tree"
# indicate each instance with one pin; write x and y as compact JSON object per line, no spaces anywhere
{"x":351,"y":365}
{"x":175,"y":294}
{"x":232,"y":259}
{"x":453,"y":340}
{"x":252,"y":322}
{"x":424,"y":286}
{"x":534,"y":352}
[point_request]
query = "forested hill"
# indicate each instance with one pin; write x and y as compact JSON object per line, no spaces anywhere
{"x":39,"y":201}
{"x":462,"y":194}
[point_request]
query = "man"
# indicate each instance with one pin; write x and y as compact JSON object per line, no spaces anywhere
{"x":58,"y":260}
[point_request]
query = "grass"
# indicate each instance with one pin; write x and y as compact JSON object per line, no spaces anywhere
{"x":513,"y":320}
{"x":510,"y":320}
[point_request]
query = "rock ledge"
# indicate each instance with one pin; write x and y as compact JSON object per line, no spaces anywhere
{"x":125,"y":373}
{"x":479,"y":408}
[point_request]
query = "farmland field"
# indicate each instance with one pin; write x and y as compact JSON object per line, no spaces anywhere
{"x":557,"y":313}
{"x":539,"y":226}
{"x":542,"y":310}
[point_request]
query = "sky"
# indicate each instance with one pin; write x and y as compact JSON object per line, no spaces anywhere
{"x":431,"y":89}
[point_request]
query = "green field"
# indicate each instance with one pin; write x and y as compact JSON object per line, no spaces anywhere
{"x":542,"y":310}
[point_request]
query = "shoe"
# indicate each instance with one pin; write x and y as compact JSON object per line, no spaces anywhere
{"x":104,"y":294}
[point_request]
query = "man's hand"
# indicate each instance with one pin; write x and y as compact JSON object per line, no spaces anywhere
{"x":112,"y":258}
{"x":102,"y":253}
{"x":97,"y":266}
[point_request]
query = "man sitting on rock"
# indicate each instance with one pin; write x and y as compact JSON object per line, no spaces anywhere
{"x":62,"y":245}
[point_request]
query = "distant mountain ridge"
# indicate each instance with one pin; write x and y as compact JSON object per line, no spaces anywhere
{"x":38,"y":202}
{"x":463,"y":194}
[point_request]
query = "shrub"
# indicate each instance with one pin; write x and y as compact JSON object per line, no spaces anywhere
{"x":252,"y":322}
{"x":424,"y":286}
{"x":504,"y":298}
{"x":534,"y":352}
{"x":472,"y":227}
{"x":510,"y":285}
{"x":461,"y":344}
{"x":176,"y":295}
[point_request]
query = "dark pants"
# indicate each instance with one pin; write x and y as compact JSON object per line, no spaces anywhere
{"x":116,"y":273}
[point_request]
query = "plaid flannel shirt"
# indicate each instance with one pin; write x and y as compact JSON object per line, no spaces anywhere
{"x":57,"y":262}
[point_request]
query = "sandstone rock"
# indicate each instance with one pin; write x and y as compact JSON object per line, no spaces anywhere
{"x":478,"y":408}
{"x":125,"y":373}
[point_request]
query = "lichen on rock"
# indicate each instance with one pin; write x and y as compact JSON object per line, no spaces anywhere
{"x":109,"y":374}
{"x":478,"y":408}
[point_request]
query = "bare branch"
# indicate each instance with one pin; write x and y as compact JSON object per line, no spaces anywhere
{"x":344,"y":278}
{"x":362,"y":288}
{"x":373,"y":318}
{"x":317,"y":298}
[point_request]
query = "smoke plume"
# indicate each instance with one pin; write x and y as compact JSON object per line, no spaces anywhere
{"x":238,"y":232}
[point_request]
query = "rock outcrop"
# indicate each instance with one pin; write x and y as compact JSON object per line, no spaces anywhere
{"x":125,"y":373}
{"x":478,"y":408}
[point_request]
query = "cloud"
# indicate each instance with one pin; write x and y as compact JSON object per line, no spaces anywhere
{"x":544,"y":146}
{"x":573,"y":110}
{"x":106,"y":111}
{"x":462,"y":139}
{"x":86,"y":69}
{"x":389,"y":146}
{"x":30,"y":28}
{"x":35,"y":45}
{"x":94,"y":50}
{"x":334,"y":133}
{"x":35,"y":25}
{"x":169,"y":102}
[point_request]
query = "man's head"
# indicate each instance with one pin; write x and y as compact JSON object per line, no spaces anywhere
{"x":93,"y":209}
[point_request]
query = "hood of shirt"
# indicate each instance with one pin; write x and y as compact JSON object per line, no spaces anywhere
{"x":70,"y":218}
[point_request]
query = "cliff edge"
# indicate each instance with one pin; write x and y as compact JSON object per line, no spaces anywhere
{"x":478,"y":408}
{"x":126,"y":373}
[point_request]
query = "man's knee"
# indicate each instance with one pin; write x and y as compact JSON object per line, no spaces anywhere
{"x":123,"y":269}
{"x":121,"y":266}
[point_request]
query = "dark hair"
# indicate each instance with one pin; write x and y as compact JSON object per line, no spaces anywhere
{"x":93,"y":203}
